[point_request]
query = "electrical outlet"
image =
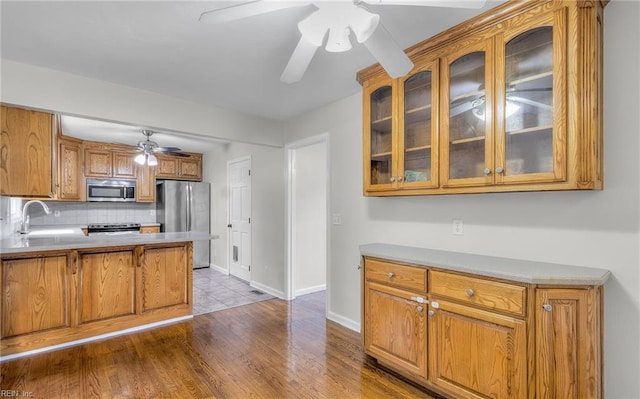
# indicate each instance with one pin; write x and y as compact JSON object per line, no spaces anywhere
{"x":336,"y":219}
{"x":458,"y":227}
{"x":56,"y":213}
{"x":152,"y":212}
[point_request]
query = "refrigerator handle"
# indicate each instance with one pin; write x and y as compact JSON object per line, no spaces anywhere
{"x":189,"y":205}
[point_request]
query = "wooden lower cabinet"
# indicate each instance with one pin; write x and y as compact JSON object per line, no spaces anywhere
{"x":568,"y":343}
{"x":165,"y":278}
{"x":26,"y":313}
{"x":396,"y":329}
{"x":51,"y":298}
{"x":470,"y":336}
{"x":107,"y":285}
{"x":475,"y":353}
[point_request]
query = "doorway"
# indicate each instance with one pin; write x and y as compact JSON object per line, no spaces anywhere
{"x":239,"y":224}
{"x":307,"y":215}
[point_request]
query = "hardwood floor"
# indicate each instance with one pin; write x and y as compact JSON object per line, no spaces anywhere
{"x":270,"y":349}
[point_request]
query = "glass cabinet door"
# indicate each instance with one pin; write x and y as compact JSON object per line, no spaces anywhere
{"x":417,"y":157}
{"x":529,"y":107}
{"x":379,"y":167}
{"x":466,"y":118}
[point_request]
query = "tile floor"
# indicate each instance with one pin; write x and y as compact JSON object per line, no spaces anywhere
{"x":214,"y":291}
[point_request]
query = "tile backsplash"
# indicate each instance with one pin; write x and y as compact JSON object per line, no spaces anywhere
{"x":74,"y":213}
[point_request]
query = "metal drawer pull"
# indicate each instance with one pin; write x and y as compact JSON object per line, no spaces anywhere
{"x":431,"y":313}
{"x":419,"y":299}
{"x":435,"y":305}
{"x":420,"y":309}
{"x":470,"y":292}
{"x":547,"y":307}
{"x":390,"y":274}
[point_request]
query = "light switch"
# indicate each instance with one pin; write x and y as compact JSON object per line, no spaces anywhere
{"x":336,"y":219}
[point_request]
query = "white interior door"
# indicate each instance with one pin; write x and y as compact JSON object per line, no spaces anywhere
{"x":239,"y":255}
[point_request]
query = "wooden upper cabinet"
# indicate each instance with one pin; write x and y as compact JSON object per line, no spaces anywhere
{"x":465,"y":114}
{"x":516,"y":106}
{"x":103,"y":162}
{"x":70,"y":186}
{"x":179,"y":168}
{"x":26,"y":153}
{"x":146,"y":184}
{"x":400,"y":149}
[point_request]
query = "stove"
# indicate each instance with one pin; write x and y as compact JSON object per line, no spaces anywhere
{"x":113,"y":228}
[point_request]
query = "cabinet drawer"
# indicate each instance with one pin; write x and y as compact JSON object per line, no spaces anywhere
{"x":411,"y":278}
{"x":486,"y":293}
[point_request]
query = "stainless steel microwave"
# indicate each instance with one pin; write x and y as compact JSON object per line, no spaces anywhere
{"x":111,"y":190}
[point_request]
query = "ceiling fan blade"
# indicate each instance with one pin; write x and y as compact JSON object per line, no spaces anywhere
{"x":299,"y":61}
{"x":430,"y":3}
{"x":391,"y":56}
{"x":246,"y":10}
{"x":167,"y":149}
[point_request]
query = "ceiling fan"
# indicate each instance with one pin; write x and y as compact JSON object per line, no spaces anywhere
{"x":339,"y":18}
{"x":148,"y":148}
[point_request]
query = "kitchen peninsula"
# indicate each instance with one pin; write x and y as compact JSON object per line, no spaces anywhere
{"x":61,"y":290}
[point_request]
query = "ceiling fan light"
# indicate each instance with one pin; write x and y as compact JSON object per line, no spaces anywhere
{"x":338,"y":40}
{"x":152,"y":160}
{"x":139,"y":159}
{"x":363,"y":24}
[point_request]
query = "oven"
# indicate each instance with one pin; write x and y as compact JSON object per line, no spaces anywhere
{"x":113,"y":229}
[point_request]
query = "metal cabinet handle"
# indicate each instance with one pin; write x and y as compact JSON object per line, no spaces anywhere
{"x":499,"y":169}
{"x":431,"y":313}
{"x":390,"y":274}
{"x":392,"y":179}
{"x":470,"y":292}
{"x":420,"y":309}
{"x":487,"y":171}
{"x":400,"y":178}
{"x":547,"y":307}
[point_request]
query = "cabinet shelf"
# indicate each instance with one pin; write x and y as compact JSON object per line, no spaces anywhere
{"x":467,"y":140}
{"x":530,"y":130}
{"x":381,"y":155}
{"x":382,"y":124}
{"x":467,"y":95}
{"x":419,"y":148}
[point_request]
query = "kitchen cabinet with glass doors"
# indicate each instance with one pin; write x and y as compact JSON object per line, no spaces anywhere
{"x":508,"y":101}
{"x":399,"y":151}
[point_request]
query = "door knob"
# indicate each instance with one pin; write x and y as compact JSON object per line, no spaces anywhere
{"x":499,"y":169}
{"x":487,"y":171}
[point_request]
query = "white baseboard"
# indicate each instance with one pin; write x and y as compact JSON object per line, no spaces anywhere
{"x":267,"y":289}
{"x":96,"y":338}
{"x":343,"y":321}
{"x":220,"y":269}
{"x":311,"y":290}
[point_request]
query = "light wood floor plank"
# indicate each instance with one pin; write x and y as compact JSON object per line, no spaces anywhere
{"x":269,"y":349}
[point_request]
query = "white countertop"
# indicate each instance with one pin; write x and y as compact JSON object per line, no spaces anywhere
{"x":510,"y":269}
{"x":21,"y":244}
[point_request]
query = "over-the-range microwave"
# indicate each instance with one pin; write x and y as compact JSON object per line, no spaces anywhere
{"x":111,"y":190}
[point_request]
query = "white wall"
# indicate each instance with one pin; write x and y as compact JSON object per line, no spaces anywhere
{"x":309,"y":207}
{"x":61,"y":92}
{"x":267,"y":211}
{"x":598,"y":229}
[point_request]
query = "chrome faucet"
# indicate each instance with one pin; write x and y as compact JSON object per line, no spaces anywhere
{"x":25,"y":218}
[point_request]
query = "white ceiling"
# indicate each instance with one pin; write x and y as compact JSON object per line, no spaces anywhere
{"x":161,"y":47}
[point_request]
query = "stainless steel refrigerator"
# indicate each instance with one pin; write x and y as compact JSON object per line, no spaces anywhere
{"x":185,"y":206}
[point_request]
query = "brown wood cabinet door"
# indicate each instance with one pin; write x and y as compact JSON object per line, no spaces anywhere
{"x":149,"y":229}
{"x":165,"y":277}
{"x":146,"y":184}
{"x":25,"y":312}
{"x":568,"y":343}
{"x":107,"y":285}
{"x":26,"y":145}
{"x":191,"y":168}
{"x":475,"y":353}
{"x":396,"y":329}
{"x":167,"y":167}
{"x":69,"y":172}
{"x":123,"y":165}
{"x":98,"y":163}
